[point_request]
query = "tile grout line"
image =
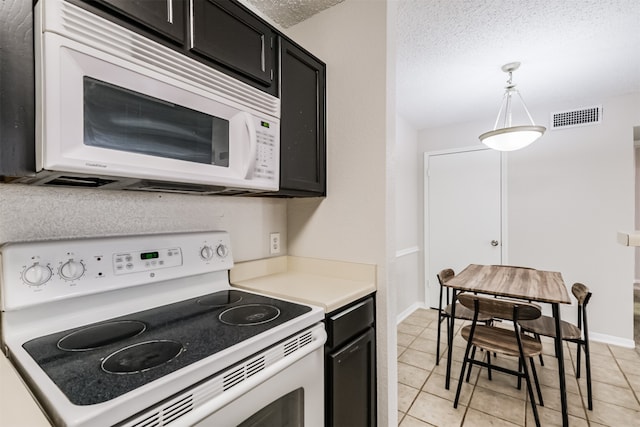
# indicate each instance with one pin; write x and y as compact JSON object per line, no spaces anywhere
{"x":624,"y":375}
{"x":425,"y":381}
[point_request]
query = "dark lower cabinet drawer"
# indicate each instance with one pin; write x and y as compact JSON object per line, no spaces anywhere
{"x":353,"y":387}
{"x":350,"y":365}
{"x":349,"y":322}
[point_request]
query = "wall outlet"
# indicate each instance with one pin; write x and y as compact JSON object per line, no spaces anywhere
{"x":274,"y":243}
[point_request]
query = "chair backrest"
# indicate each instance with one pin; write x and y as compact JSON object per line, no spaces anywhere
{"x":581,"y":292}
{"x":445,"y":275}
{"x":500,"y":308}
{"x":583,"y":295}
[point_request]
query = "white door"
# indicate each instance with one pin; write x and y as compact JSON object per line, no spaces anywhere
{"x":463,"y":223}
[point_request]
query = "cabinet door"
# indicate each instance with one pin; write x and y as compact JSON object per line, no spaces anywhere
{"x":352,"y":383}
{"x":302,"y":127}
{"x":163,"y":16}
{"x":224,"y":32}
{"x":17,"y":90}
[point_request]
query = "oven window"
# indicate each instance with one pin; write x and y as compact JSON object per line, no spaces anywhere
{"x":124,"y":120}
{"x":288,"y":411}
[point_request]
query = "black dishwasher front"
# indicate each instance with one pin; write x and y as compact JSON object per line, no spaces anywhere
{"x":351,"y":365}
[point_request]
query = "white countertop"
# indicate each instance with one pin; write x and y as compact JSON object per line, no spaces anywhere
{"x":325,"y":283}
{"x":17,"y":406}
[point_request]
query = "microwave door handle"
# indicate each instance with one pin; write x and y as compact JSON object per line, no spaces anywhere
{"x":253,"y":145}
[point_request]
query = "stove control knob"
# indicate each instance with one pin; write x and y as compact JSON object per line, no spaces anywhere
{"x":36,"y":275}
{"x":206,"y":253}
{"x":222,"y":250}
{"x":72,"y":270}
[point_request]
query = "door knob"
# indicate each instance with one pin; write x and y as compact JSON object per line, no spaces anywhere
{"x":494,"y":243}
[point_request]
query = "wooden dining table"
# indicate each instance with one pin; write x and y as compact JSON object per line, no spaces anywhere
{"x":515,"y":282}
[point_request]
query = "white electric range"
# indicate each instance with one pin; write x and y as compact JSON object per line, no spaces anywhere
{"x":146,"y":331}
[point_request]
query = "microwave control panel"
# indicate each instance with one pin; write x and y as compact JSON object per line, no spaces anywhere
{"x":267,"y":151}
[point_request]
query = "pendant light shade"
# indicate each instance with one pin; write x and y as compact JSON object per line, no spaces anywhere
{"x":508,"y":137}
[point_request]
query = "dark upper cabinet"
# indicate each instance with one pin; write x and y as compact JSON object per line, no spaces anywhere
{"x":17,"y":89}
{"x":302,"y":127}
{"x":164,"y":16}
{"x":222,"y":34}
{"x":223,"y":30}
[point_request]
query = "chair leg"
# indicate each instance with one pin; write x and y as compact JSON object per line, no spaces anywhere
{"x":537,"y":336}
{"x":460,"y":380}
{"x":438,"y":343}
{"x":523,"y":364}
{"x":578,"y":361}
{"x":473,"y":356}
{"x":587,"y":360}
{"x":519,"y":378}
{"x":489,"y":367}
{"x":535,"y":378}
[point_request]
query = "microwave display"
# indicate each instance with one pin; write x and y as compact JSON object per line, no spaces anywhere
{"x":121,"y":119}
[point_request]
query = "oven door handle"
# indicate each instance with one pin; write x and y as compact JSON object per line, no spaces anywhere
{"x":210,"y":407}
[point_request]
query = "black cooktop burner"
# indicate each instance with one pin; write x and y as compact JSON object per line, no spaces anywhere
{"x":249,"y":314}
{"x":195,"y":325}
{"x":98,"y":336}
{"x":141,"y":357}
{"x":221,"y":299}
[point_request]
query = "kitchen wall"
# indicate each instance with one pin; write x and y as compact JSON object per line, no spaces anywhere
{"x":567,"y":196}
{"x":40,"y":213}
{"x":356,"y":221}
{"x":409,"y":257}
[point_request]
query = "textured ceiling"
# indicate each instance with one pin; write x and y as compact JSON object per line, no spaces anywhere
{"x":449,"y":53}
{"x":290,"y":12}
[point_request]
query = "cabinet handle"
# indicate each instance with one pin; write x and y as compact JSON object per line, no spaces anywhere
{"x":191,"y":30}
{"x":170,"y":11}
{"x":349,"y":353}
{"x":262,"y":57}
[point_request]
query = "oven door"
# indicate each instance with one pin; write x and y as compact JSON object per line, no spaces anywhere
{"x":117,"y":113}
{"x":282,"y":385}
{"x":293,"y":397}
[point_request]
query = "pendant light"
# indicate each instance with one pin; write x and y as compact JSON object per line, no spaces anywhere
{"x":509,"y":137}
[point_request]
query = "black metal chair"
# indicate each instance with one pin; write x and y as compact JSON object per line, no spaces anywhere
{"x":462,"y":312}
{"x":495,"y":339}
{"x":545,"y":326}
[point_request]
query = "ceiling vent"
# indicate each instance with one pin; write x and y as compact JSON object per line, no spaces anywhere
{"x":579,"y":117}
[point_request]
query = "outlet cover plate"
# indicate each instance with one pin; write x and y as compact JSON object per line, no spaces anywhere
{"x":274,"y":243}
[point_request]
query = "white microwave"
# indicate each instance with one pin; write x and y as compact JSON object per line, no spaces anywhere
{"x":117,"y":110}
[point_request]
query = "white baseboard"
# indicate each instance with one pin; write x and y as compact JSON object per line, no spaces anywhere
{"x":406,"y":313}
{"x":610,"y":339}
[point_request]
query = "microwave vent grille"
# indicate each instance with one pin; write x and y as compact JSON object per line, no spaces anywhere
{"x":84,"y":27}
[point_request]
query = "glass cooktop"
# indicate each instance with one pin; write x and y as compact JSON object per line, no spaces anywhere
{"x":99,"y":362}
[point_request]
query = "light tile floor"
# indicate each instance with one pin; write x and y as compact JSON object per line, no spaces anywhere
{"x":423,"y":400}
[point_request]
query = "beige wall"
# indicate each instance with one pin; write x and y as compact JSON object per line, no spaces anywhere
{"x":409,"y":257}
{"x":355,"y":222}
